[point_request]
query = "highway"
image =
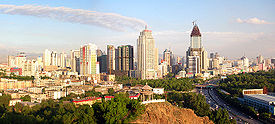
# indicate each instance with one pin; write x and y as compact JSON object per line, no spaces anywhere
{"x":216,"y":102}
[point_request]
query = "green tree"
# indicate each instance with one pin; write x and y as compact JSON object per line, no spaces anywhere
{"x":220,"y":116}
{"x":26,"y":98}
{"x":197,"y":102}
{"x":118,"y":110}
{"x":111,"y":91}
{"x":265,"y":116}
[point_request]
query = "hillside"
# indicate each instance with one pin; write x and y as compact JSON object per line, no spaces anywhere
{"x":165,"y":113}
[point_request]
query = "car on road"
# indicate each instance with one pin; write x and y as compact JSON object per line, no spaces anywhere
{"x":216,"y":106}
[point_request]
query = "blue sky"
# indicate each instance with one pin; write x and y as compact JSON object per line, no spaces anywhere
{"x":230,"y":27}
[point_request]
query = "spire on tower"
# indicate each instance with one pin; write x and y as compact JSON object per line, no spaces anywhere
{"x":194,"y":22}
{"x":195,"y":31}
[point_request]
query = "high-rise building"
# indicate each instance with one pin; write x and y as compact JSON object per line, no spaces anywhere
{"x":167,"y":56}
{"x":162,"y":69}
{"x":20,"y":60}
{"x":196,"y":55}
{"x":11,"y":61}
{"x":125,"y":58}
{"x":212,"y":56}
{"x":46,"y":58}
{"x":111,"y":58}
{"x":75,"y":65}
{"x":245,"y":63}
{"x":260,"y":59}
{"x":273,"y":61}
{"x":39,"y":61}
{"x":97,"y":68}
{"x":99,"y":52}
{"x":29,"y":68}
{"x":102,"y":63}
{"x":179,"y":60}
{"x":193,"y":63}
{"x":88,"y":59}
{"x":62,"y":60}
{"x":53,"y":58}
{"x":147,"y":55}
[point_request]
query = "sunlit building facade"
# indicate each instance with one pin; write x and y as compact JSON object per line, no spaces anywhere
{"x":147,"y":55}
{"x":88,"y":59}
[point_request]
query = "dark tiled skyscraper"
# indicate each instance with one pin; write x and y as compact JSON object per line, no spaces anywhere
{"x":102,"y":63}
{"x":125,"y":58}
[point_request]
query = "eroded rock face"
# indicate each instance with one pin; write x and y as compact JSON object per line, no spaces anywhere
{"x":165,"y":113}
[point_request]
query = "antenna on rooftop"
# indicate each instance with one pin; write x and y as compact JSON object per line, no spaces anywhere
{"x":194,"y":22}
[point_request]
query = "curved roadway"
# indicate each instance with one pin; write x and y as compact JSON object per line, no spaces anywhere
{"x":216,"y":102}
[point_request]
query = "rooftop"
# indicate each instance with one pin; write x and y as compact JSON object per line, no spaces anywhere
{"x":264,"y":97}
{"x":147,"y":87}
{"x":195,"y":31}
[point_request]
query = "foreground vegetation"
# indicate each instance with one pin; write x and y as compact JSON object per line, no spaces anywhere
{"x":197,"y":102}
{"x":118,"y":110}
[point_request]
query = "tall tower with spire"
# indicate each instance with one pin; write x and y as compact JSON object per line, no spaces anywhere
{"x":147,"y":55}
{"x":196,"y":55}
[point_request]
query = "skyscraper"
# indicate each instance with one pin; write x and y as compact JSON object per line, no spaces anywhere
{"x":147,"y":55}
{"x":196,"y":55}
{"x":179,"y":59}
{"x":53,"y":58}
{"x":88,"y":59}
{"x":125,"y":58}
{"x":99,"y":52}
{"x":75,"y":54}
{"x":111,"y":58}
{"x":260,"y":59}
{"x":245,"y":64}
{"x":46,"y":58}
{"x":102,"y":59}
{"x":102,"y":63}
{"x":62,"y":60}
{"x":11,"y":61}
{"x":167,"y":56}
{"x":20,"y":60}
{"x":39,"y":63}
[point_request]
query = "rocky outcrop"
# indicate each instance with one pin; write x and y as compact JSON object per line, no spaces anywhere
{"x":165,"y":113}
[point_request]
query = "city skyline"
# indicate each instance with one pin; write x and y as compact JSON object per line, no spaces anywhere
{"x":227,"y":32}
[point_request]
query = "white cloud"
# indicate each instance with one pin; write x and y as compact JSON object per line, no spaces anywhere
{"x":252,"y":21}
{"x":108,"y":20}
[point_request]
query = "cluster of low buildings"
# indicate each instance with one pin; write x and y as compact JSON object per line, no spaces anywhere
{"x":60,"y":83}
{"x":221,"y":66}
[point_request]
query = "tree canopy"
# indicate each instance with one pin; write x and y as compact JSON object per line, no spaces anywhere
{"x":197,"y":103}
{"x":121,"y":109}
{"x":234,"y":84}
